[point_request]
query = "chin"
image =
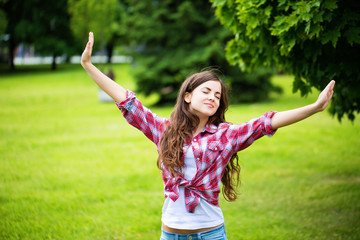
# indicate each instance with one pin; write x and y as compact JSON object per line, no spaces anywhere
{"x":210,"y":114}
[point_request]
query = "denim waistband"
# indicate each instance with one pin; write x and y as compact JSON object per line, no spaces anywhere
{"x":216,"y":233}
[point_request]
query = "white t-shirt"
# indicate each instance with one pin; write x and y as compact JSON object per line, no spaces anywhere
{"x":175,"y":215}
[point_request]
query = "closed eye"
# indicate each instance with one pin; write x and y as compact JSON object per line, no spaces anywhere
{"x":207,"y":90}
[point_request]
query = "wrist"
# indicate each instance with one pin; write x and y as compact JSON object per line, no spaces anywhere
{"x":315,"y":107}
{"x":86,"y":64}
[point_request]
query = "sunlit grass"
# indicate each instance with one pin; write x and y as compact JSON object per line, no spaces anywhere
{"x":72,"y":168}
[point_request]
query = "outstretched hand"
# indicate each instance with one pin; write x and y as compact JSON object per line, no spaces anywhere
{"x":325,"y":96}
{"x":86,"y":55}
{"x":281,"y":119}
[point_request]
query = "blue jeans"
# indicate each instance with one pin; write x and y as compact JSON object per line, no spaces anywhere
{"x":218,"y":233}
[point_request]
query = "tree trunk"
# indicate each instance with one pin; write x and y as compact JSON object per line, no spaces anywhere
{"x":12,"y":47}
{"x":53,"y":65}
{"x":109,"y":48}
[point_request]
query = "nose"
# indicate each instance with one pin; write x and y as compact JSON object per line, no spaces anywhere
{"x":211,"y":97}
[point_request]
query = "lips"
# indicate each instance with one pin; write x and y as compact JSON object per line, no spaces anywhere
{"x":209,"y":105}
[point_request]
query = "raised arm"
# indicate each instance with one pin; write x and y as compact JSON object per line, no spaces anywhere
{"x":113,"y":89}
{"x":285,"y":118}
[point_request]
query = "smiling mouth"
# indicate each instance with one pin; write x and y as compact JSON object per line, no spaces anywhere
{"x":209,"y":105}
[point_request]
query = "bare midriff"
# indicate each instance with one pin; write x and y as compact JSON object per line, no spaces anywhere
{"x":186,"y":231}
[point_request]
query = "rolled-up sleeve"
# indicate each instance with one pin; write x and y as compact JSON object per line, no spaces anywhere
{"x":130,"y":96}
{"x":245,"y":134}
{"x":141,"y":117}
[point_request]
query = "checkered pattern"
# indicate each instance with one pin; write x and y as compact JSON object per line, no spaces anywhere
{"x":213,"y":148}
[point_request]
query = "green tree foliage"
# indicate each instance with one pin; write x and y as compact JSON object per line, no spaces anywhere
{"x":100,"y":17}
{"x":3,"y":22}
{"x":172,"y":39}
{"x":45,"y":24}
{"x":13,"y":18}
{"x":315,"y":40}
{"x":53,"y":29}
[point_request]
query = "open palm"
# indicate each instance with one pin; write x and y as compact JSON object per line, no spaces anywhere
{"x":86,"y":55}
{"x":325,"y":96}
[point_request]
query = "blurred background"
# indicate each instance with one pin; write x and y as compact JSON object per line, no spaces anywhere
{"x":165,"y":41}
{"x":70,"y":166}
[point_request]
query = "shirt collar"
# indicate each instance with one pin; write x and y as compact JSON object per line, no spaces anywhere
{"x":211,"y":128}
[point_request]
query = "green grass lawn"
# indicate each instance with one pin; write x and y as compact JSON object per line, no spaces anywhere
{"x":72,"y":168}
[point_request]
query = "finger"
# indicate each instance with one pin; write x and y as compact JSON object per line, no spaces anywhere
{"x":91,"y":40}
{"x":331,"y":85}
{"x":329,"y":88}
{"x":91,"y":37}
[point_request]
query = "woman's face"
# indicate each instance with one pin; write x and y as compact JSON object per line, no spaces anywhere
{"x":204,"y":100}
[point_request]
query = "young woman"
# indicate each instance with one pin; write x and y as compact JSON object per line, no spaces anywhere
{"x":197,"y":147}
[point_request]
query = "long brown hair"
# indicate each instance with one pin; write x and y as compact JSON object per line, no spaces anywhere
{"x":179,"y":131}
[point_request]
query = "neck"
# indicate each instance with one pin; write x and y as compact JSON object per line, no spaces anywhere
{"x":201,"y":126}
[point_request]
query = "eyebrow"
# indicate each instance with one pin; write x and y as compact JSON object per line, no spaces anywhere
{"x":209,"y":89}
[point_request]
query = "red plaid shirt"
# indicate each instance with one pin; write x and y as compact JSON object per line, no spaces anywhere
{"x":213,"y":148}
